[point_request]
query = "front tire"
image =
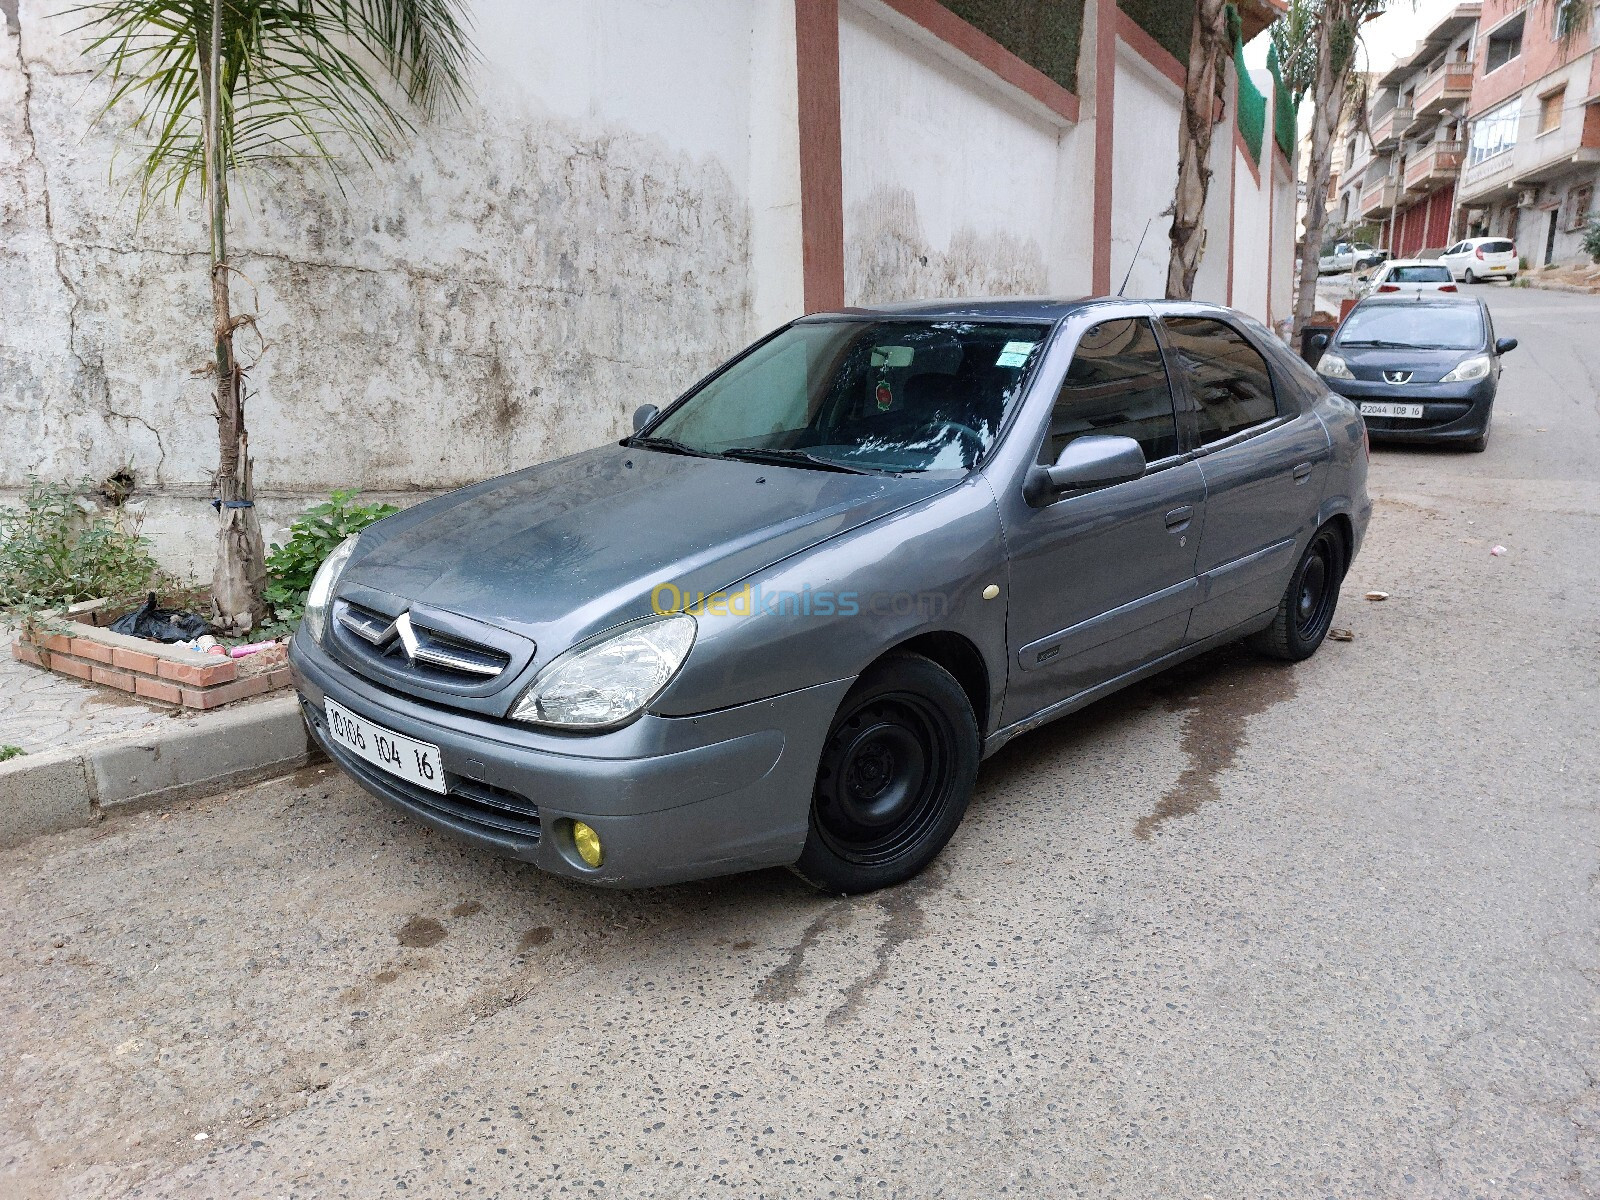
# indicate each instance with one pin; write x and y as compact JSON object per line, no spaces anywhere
{"x":1306,"y":611}
{"x":894,"y":779}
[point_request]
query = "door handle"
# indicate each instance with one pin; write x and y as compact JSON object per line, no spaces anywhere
{"x":1178,"y":519}
{"x":1302,"y":472}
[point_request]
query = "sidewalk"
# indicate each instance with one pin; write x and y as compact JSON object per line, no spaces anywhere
{"x":90,"y":750}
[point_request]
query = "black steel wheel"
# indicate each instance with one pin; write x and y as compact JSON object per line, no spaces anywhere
{"x":894,"y":778}
{"x":1306,"y":611}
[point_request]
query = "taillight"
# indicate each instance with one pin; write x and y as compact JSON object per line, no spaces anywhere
{"x":1448,"y":287}
{"x":1388,"y":287}
{"x":1480,"y":251}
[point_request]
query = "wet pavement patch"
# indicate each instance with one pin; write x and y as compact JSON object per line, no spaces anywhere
{"x":420,"y":932}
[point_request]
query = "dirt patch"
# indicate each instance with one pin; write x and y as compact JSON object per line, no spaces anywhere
{"x":420,"y":932}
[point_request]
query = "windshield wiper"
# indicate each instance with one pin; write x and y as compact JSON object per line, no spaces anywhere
{"x":670,"y":445}
{"x":794,"y":458}
{"x":1380,"y":344}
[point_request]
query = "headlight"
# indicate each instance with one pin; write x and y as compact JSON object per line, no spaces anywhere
{"x":322,"y":585}
{"x":1473,"y":368}
{"x":1333,"y":367}
{"x":607,"y":682}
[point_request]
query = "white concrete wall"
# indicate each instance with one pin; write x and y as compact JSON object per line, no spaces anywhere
{"x":951,"y":186}
{"x":1145,"y":176}
{"x":1251,"y":245}
{"x":506,"y":291}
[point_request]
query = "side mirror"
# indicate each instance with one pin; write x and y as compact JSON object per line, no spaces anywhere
{"x":643,"y":415}
{"x":1092,"y":461}
{"x":1505,"y":345}
{"x":1319,"y":341}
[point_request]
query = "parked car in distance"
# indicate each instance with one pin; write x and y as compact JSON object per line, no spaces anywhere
{"x":1422,"y":368}
{"x":1409,"y":276}
{"x":783,"y":622}
{"x":1338,"y":257}
{"x":1477,"y":259}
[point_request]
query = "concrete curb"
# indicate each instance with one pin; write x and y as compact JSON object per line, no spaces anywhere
{"x":63,"y":789}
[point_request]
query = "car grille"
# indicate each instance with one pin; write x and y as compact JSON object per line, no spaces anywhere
{"x":411,"y":648}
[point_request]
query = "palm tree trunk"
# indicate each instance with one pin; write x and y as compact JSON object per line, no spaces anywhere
{"x":238,"y":581}
{"x":1327,"y":93}
{"x":1204,"y":94}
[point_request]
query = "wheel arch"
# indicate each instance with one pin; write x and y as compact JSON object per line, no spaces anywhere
{"x":960,"y":656}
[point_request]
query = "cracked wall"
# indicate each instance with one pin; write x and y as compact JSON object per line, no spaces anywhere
{"x":508,"y":290}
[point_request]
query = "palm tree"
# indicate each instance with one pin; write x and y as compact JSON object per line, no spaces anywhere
{"x":1317,"y":43}
{"x":222,"y":86}
{"x":1204,"y":95}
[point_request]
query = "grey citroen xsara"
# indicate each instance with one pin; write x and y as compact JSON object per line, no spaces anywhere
{"x":785,"y":620}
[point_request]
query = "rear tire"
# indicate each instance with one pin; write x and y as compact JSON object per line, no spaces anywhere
{"x":894,"y":779}
{"x":1470,"y":277}
{"x":1306,"y":611}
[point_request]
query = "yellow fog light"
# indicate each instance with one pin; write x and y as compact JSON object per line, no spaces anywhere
{"x":588,"y":843}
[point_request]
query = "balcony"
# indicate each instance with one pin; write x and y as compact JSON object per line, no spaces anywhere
{"x":1434,"y":167}
{"x":1444,"y":88}
{"x":1378,"y":198}
{"x":1386,"y":129}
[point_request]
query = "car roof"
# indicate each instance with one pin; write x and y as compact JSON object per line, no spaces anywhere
{"x":1493,"y":237}
{"x":1413,"y":262}
{"x":1013,"y":308}
{"x":1414,"y":299}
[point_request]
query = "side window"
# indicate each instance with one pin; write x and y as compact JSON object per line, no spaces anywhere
{"x":1116,"y":385}
{"x":1226,"y":374}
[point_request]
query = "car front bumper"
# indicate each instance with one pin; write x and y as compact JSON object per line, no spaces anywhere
{"x":672,"y":798}
{"x":1451,"y":412}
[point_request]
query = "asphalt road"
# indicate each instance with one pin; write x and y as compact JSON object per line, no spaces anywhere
{"x":1247,"y":931}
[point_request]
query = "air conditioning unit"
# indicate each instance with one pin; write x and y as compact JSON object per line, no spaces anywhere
{"x":1527,"y":197}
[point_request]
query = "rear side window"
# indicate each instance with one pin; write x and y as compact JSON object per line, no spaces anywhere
{"x":1226,"y":374}
{"x":1419,"y":275}
{"x":1116,"y":385}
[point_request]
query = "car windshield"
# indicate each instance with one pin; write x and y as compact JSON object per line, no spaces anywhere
{"x":1419,"y":275}
{"x":1414,"y":327}
{"x":860,"y":395}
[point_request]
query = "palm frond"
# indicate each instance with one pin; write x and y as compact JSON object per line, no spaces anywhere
{"x":301,"y":80}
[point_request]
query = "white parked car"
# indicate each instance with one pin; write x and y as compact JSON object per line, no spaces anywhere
{"x":1409,"y":276}
{"x":1339,"y":257}
{"x":1477,"y":259}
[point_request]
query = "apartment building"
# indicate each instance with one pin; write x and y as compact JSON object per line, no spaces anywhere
{"x":1418,"y":123}
{"x":1533,"y":145}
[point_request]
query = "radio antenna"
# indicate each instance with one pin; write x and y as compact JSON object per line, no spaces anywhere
{"x":1163,"y":213}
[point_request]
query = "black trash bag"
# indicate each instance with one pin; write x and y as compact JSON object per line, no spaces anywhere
{"x":161,"y":624}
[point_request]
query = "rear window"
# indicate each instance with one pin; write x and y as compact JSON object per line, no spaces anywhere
{"x":1419,"y":275}
{"x":1497,"y":247}
{"x":1227,"y":376}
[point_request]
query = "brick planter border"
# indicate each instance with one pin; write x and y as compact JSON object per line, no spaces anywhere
{"x":147,"y":669}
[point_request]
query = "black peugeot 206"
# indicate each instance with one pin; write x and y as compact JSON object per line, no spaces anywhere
{"x":1422,"y":368}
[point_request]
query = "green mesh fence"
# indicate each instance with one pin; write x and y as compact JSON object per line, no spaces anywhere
{"x":1285,"y":112}
{"x":1045,"y":34}
{"x":1252,"y":105}
{"x":1170,"y":22}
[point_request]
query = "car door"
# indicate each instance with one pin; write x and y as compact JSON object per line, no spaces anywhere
{"x":1452,"y":259}
{"x":1264,"y":462}
{"x":1102,"y":580}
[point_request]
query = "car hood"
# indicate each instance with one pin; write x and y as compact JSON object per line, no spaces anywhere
{"x":577,"y":544}
{"x":1426,"y":366}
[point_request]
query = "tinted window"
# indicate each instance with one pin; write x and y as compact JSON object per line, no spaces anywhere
{"x":1116,"y":385}
{"x":1419,"y":275}
{"x":887,"y":395}
{"x":1413,"y":326}
{"x":1497,"y":247}
{"x":1226,"y":374}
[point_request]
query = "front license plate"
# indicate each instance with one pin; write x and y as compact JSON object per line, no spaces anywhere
{"x":1370,"y":409}
{"x":415,"y":762}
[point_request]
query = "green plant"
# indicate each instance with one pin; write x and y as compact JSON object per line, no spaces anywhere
{"x":312,"y":537}
{"x":9,"y":752}
{"x":219,"y":86}
{"x":57,"y":550}
{"x":1591,"y":239}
